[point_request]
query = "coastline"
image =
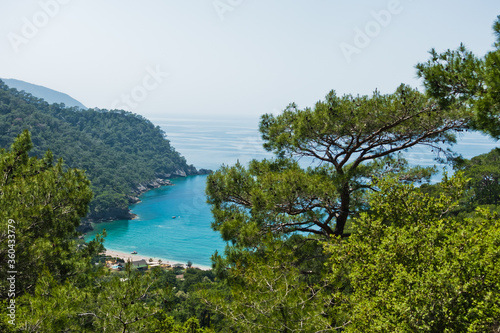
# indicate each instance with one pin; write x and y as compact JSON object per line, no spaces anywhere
{"x":134,"y":198}
{"x":135,"y":257}
{"x":125,"y":255}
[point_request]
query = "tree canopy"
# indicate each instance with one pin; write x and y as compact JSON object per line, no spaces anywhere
{"x":351,"y":140}
{"x":44,"y":204}
{"x":412,"y":267}
{"x":461,"y":79}
{"x":56,"y":282}
{"x":349,"y":243}
{"x":484,"y":175}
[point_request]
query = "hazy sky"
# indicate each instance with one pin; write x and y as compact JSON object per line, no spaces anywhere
{"x":166,"y":58}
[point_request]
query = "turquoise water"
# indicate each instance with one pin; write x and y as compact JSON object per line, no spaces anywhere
{"x":208,"y":144}
{"x":156,"y":234}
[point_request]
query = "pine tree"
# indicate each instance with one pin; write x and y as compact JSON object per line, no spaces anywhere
{"x":41,"y":204}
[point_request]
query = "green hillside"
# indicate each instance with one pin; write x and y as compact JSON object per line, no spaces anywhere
{"x":122,"y":153}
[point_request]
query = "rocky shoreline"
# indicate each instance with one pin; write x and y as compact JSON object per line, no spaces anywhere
{"x":133,"y":198}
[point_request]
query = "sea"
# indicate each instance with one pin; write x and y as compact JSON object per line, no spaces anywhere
{"x":174,"y":222}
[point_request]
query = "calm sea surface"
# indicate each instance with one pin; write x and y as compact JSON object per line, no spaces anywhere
{"x":155,"y":233}
{"x":209,"y":144}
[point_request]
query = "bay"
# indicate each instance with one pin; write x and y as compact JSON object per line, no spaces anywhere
{"x":209,"y":143}
{"x":155,"y":233}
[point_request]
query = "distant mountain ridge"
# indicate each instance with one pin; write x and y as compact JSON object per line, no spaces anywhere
{"x":49,"y":95}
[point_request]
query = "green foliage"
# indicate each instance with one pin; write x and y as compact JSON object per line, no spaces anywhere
{"x":373,"y":127}
{"x":270,"y":195}
{"x":459,"y":79}
{"x":190,"y":326}
{"x":58,"y":288}
{"x":117,"y":149}
{"x":484,"y":174}
{"x":128,"y":302}
{"x":52,"y":308}
{"x":270,"y":207}
{"x":410,"y":264}
{"x":125,"y":303}
{"x":412,"y":267}
{"x":184,"y":301}
{"x":354,"y":138}
{"x":44,"y":204}
{"x":269,"y":291}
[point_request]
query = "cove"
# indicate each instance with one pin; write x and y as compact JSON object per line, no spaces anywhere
{"x":156,"y":233}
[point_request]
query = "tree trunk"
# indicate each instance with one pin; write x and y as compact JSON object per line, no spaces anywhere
{"x":345,"y":201}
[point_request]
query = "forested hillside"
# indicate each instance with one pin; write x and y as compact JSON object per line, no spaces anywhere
{"x":122,"y":153}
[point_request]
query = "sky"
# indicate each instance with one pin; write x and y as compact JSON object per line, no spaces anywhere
{"x":230,"y":58}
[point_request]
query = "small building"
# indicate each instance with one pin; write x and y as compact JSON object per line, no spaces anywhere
{"x":140,"y":264}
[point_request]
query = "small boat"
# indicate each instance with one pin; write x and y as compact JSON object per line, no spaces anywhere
{"x":133,"y":252}
{"x":174,"y":217}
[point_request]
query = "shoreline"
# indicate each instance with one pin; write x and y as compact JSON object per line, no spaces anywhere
{"x":135,"y":257}
{"x":134,"y":198}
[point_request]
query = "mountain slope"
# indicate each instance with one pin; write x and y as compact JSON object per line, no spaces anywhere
{"x":49,"y":95}
{"x":122,"y":153}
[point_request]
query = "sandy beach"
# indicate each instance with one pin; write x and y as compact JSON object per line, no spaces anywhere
{"x":136,"y":257}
